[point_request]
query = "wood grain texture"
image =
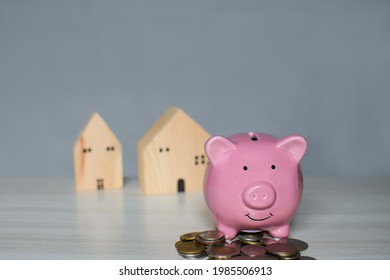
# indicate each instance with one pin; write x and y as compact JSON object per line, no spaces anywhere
{"x":46,"y":218}
{"x":97,"y":157}
{"x":171,"y":154}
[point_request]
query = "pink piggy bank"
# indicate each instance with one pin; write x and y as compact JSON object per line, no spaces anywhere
{"x":254,"y":182}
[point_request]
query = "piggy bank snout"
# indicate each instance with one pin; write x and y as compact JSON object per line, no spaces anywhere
{"x":261,"y":195}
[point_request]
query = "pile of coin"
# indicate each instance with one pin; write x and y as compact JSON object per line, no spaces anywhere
{"x":211,"y":244}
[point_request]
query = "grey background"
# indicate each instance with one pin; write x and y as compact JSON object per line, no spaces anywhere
{"x":318,"y":68}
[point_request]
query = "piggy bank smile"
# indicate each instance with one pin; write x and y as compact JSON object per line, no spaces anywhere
{"x":259,"y":220}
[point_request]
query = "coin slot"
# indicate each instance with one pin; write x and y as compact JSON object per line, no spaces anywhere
{"x":180,"y":185}
{"x":253,"y":136}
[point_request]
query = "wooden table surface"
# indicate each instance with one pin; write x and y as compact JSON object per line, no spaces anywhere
{"x":45,"y":218}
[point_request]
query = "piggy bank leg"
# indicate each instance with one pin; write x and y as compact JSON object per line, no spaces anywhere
{"x":229,"y":232}
{"x":280,"y":232}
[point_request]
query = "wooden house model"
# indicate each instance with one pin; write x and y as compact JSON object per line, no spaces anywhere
{"x":171,"y":155}
{"x":97,"y":157}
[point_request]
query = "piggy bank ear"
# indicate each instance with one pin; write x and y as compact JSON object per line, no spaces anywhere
{"x":295,"y":144}
{"x":216,"y":146}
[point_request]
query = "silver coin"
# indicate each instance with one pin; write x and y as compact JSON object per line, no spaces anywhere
{"x":247,"y":242}
{"x":250,"y":236}
{"x":194,"y":256}
{"x":210,"y":243}
{"x":251,"y":246}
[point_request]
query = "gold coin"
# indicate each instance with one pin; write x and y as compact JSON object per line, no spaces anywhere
{"x":247,"y":242}
{"x":190,"y":248}
{"x":293,"y":257}
{"x":188,"y":236}
{"x":282,"y":249}
{"x":178,"y":243}
{"x":211,"y":235}
{"x":210,"y":243}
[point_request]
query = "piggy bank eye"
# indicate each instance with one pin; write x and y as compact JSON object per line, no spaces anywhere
{"x":273,"y":166}
{"x":245,"y":168}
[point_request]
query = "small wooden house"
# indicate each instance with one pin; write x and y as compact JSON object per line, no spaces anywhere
{"x":97,"y":157}
{"x":171,"y":155}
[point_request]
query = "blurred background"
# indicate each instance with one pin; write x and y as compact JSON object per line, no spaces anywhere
{"x":317,"y":68}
